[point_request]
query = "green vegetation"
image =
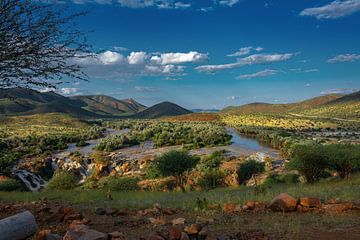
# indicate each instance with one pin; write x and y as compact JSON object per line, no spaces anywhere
{"x":163,"y":133}
{"x":31,"y":136}
{"x":248,"y":168}
{"x":175,"y":163}
{"x":8,"y":185}
{"x":118,"y":183}
{"x":62,"y":181}
{"x":326,"y":189}
{"x":211,"y":179}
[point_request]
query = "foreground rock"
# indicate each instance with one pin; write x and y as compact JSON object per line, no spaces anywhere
{"x":283,"y":202}
{"x":18,"y":227}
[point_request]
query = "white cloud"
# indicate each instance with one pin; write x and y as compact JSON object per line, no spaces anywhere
{"x":110,"y":57}
{"x":245,"y":51}
{"x":229,"y":3}
{"x":308,"y":85}
{"x":338,"y":91}
{"x":137,"y":57}
{"x":250,"y":60}
{"x":161,"y":4}
{"x":179,"y":58}
{"x":182,"y":5}
{"x":68,"y":91}
{"x":344,"y":58}
{"x":233,"y":97}
{"x":335,"y":9}
{"x":47,"y":89}
{"x":264,"y":73}
{"x":300,"y":70}
{"x":145,"y":89}
{"x":113,"y":65}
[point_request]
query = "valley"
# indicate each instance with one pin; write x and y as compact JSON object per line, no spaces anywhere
{"x":199,"y":165}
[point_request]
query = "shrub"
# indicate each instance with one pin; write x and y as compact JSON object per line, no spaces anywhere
{"x":82,"y":143}
{"x":310,"y":160}
{"x":175,"y":163}
{"x":275,"y":178}
{"x":211,"y":161}
{"x":9,"y":185}
{"x":63,"y":181}
{"x":289,"y":178}
{"x":119,"y":183}
{"x":248,"y":169}
{"x":343,"y":158}
{"x":211,"y":179}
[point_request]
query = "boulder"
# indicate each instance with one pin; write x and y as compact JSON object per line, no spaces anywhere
{"x":117,"y":236}
{"x":283,"y":202}
{"x":155,"y":236}
{"x":174,"y":233}
{"x":308,"y":202}
{"x":178,"y":221}
{"x":231,"y":208}
{"x":193,"y":229}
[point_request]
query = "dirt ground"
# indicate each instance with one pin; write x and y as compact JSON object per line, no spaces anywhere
{"x":138,"y":224}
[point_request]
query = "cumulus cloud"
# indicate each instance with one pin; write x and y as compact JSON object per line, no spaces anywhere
{"x":68,"y":91}
{"x":245,"y":51}
{"x":344,"y":58}
{"x":335,"y":9}
{"x":250,"y":60}
{"x":179,"y":58}
{"x":137,"y":57}
{"x":114,"y":65}
{"x":264,"y":73}
{"x":161,"y":4}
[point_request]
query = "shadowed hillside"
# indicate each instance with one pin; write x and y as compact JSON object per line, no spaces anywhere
{"x":164,"y":109}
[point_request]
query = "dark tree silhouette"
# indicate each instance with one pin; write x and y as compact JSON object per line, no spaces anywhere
{"x":38,"y":44}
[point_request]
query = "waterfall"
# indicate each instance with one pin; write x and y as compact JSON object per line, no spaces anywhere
{"x":32,"y":181}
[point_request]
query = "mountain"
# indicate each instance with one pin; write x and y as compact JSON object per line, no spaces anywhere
{"x":109,"y":106}
{"x":282,"y":108}
{"x":164,"y":109}
{"x":23,"y":101}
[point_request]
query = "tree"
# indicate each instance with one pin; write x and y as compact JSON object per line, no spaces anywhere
{"x":39,"y":44}
{"x":310,"y":160}
{"x":175,"y":163}
{"x":343,"y":158}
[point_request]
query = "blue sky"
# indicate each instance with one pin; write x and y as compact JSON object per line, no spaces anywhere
{"x":211,"y":54}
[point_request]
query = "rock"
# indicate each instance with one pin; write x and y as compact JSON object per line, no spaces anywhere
{"x":174,"y":233}
{"x":283,"y":202}
{"x":333,"y":201}
{"x":337,"y":208}
{"x":157,"y":206}
{"x":203,"y":234}
{"x":204,"y":221}
{"x":178,"y":221}
{"x":41,"y":235}
{"x":230,"y":208}
{"x":100,"y":211}
{"x":193,"y":229}
{"x":117,"y":236}
{"x":250,"y":205}
{"x":157,"y":221}
{"x":310,"y":202}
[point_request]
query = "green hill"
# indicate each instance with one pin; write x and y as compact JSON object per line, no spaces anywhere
{"x":164,"y":109}
{"x":281,"y":108}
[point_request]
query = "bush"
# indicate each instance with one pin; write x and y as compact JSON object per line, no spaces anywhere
{"x":9,"y":185}
{"x":211,"y":179}
{"x":62,"y":181}
{"x":174,"y":163}
{"x":275,"y":178}
{"x":310,"y":160}
{"x":289,"y":178}
{"x":119,"y":183}
{"x":211,"y":161}
{"x":248,"y":169}
{"x":343,"y":158}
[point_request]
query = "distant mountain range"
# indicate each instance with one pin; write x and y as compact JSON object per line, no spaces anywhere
{"x":23,"y":101}
{"x":333,"y":105}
